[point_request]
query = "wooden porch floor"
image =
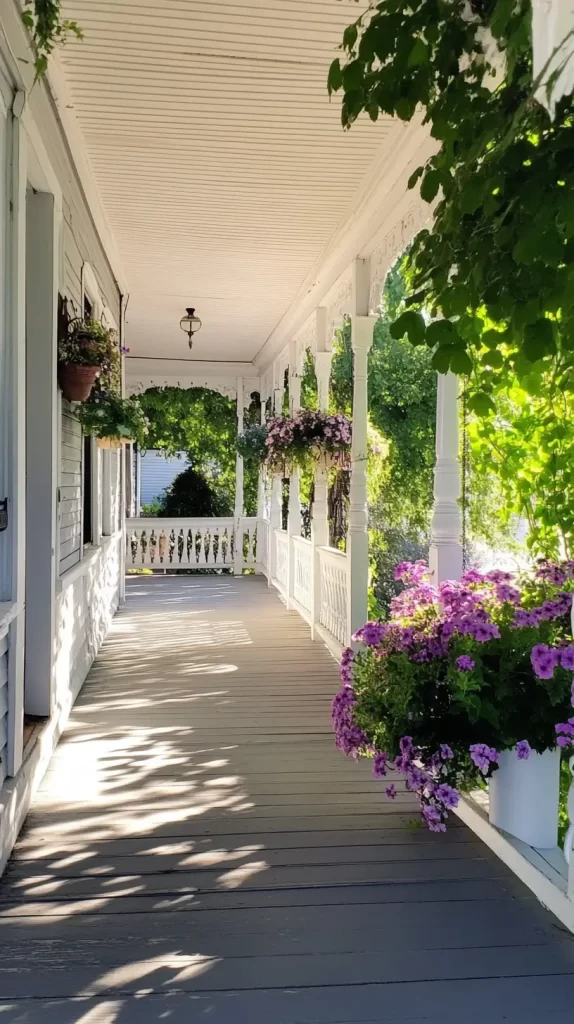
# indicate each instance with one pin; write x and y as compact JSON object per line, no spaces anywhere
{"x":200,"y":852}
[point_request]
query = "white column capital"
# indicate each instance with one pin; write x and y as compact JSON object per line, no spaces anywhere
{"x":362,"y":333}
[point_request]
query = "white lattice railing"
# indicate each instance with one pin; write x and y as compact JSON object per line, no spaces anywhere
{"x":334,"y":566}
{"x":303,"y":573}
{"x":282,"y":558}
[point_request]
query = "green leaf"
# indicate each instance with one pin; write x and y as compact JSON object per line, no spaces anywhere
{"x":460,"y":362}
{"x":492,"y":339}
{"x":441,"y":359}
{"x":405,"y":108}
{"x":455,"y":300}
{"x":493,"y":358}
{"x":350,"y":37}
{"x":415,"y":177}
{"x":373,"y":111}
{"x":353,"y":76}
{"x":335,"y":76}
{"x":440,"y":332}
{"x":430,"y":185}
{"x":539,"y":340}
{"x":419,"y":54}
{"x":412,"y":324}
{"x":481,"y":403}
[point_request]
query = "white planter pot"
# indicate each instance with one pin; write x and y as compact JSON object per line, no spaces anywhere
{"x":524,"y":797}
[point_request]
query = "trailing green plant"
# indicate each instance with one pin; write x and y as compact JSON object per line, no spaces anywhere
{"x":495,"y":269}
{"x":87,"y":343}
{"x":49,"y":29}
{"x":252,"y":443}
{"x":108,"y":415}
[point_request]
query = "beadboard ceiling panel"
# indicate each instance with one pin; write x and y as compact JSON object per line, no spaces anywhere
{"x":222,"y":166}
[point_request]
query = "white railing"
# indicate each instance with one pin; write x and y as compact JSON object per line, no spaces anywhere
{"x":180,"y":543}
{"x":303,"y":573}
{"x":334,"y":567}
{"x":282,"y":559}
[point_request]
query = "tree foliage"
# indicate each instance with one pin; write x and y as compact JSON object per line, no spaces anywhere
{"x":202,"y":423}
{"x":190,"y":494}
{"x":495,"y":271}
{"x":497,"y":262}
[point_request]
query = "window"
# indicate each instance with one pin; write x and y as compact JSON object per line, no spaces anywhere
{"x":91,"y":455}
{"x":87,"y":489}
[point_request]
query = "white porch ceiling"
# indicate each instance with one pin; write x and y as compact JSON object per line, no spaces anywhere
{"x":222,"y":167}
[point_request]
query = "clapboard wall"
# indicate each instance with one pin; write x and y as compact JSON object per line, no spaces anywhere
{"x":70,"y":484}
{"x":3,"y":704}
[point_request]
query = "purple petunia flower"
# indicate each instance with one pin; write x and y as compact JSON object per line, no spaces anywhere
{"x":544,"y":660}
{"x":380,"y":766}
{"x":445,"y":752}
{"x":464,"y":663}
{"x":483,"y":756}
{"x":523,"y":750}
{"x":371,"y":633}
{"x":391,"y":792}
{"x":447,"y":795}
{"x":567,"y":658}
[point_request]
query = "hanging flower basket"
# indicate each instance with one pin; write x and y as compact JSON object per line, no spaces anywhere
{"x":113,"y":420}
{"x":308,"y":438}
{"x":76,"y":381}
{"x":82,"y":354}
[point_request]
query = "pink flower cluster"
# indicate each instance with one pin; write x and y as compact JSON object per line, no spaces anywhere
{"x":309,"y":433}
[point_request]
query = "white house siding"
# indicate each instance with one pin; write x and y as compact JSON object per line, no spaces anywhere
{"x":158,"y":472}
{"x":85,"y":609}
{"x":3,"y":704}
{"x":70,"y":525}
{"x":87,"y":587}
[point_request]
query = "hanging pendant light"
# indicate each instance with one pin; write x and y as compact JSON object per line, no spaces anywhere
{"x":190,"y":323}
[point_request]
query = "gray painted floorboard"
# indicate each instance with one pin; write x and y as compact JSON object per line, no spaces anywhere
{"x":200,"y":852}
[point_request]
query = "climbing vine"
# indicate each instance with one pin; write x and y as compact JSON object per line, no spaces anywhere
{"x":495,"y":270}
{"x":48,"y":28}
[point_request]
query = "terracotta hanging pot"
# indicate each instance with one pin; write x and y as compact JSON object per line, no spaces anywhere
{"x":76,"y":381}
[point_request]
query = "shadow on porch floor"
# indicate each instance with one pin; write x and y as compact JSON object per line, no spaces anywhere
{"x":199,"y":851}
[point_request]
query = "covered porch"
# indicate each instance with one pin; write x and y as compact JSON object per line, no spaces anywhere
{"x":199,"y":850}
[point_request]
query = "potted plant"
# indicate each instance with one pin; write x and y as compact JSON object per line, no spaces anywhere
{"x":306,"y":438}
{"x":113,"y":420}
{"x":82,"y":353}
{"x":468,"y":681}
{"x":252,"y":442}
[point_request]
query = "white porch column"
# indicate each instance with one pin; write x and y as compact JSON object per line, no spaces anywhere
{"x":320,"y":512}
{"x":261,"y":477}
{"x":294,"y":519}
{"x":445,"y":556}
{"x":238,"y":559}
{"x":358,"y":533}
{"x":276,"y":505}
